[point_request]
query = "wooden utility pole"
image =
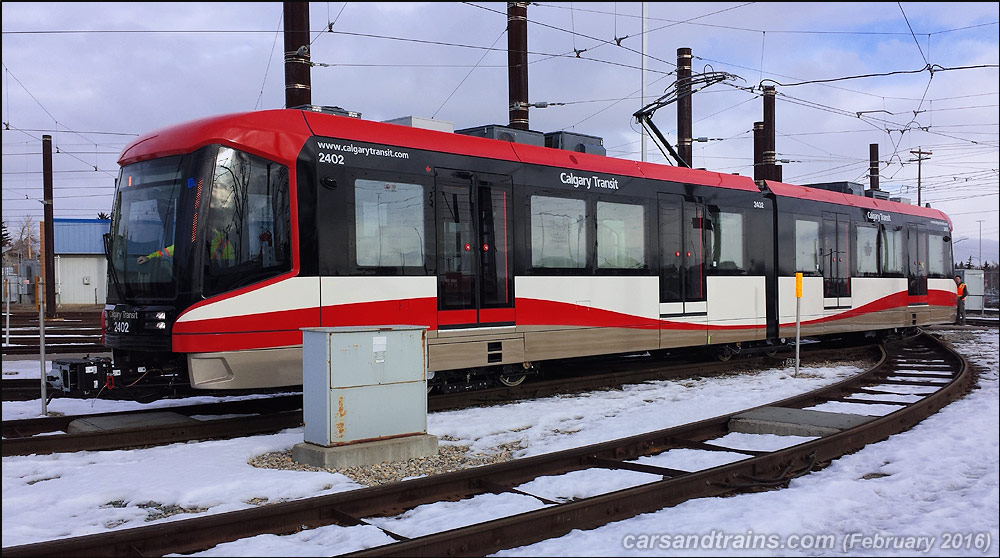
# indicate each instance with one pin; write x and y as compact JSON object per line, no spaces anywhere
{"x":771,"y":169}
{"x":517,"y":64}
{"x":684,"y":131}
{"x":873,"y":166}
{"x":759,"y":170}
{"x":48,"y":243}
{"x":920,"y":159}
{"x":298,"y":87}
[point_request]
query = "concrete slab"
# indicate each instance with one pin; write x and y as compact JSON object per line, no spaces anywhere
{"x":365,"y":453}
{"x":785,"y":421}
{"x":95,"y":424}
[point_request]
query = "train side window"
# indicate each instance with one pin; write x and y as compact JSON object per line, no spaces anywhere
{"x":939,"y":262}
{"x":866,"y":245}
{"x":726,"y":242}
{"x":807,"y":246}
{"x":389,"y":224}
{"x":891,"y":246}
{"x":621,"y":240}
{"x":558,"y":232}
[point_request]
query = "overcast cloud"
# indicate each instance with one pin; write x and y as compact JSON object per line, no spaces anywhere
{"x":96,"y":75}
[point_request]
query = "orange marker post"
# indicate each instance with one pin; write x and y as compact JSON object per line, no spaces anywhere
{"x":798,"y":317}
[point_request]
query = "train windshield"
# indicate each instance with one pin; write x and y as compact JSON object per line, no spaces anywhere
{"x":140,"y":246}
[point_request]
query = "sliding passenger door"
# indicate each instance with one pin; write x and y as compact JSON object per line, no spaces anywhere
{"x":836,"y":261}
{"x":475,"y":249}
{"x":683,"y":305}
{"x":916,"y":236}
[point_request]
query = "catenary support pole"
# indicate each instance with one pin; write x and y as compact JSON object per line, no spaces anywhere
{"x":49,"y":280}
{"x":298,"y":82}
{"x":517,"y":64}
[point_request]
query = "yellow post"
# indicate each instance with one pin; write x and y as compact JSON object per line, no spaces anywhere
{"x":798,"y":317}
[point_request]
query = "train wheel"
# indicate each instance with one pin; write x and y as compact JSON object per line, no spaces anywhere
{"x":724,"y":353}
{"x":513,"y":381}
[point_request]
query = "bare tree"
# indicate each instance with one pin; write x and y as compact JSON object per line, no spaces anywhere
{"x":26,"y":242}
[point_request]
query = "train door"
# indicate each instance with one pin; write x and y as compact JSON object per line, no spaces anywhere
{"x":917,"y":268}
{"x":836,"y":257}
{"x":474,"y":252}
{"x":683,"y":302}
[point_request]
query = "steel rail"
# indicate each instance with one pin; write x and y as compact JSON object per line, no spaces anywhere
{"x":350,"y":508}
{"x":22,"y":428}
{"x":770,"y":469}
{"x":20,"y":440}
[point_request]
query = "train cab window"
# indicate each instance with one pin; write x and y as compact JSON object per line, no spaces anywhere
{"x":939,"y":256}
{"x":621,"y":241}
{"x":247,"y":237}
{"x":892,"y":251}
{"x":726,"y":242}
{"x":389,"y":224}
{"x":558,"y":232}
{"x":866,"y":246}
{"x":807,"y":246}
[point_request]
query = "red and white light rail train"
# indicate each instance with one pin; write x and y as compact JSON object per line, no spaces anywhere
{"x":232,"y":233}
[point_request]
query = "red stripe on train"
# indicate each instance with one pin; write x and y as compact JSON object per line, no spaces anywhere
{"x":278,"y":329}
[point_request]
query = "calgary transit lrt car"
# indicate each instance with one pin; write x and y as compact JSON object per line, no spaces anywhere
{"x":231,"y":233}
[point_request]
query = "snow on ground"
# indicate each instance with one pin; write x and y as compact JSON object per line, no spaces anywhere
{"x":938,"y":481}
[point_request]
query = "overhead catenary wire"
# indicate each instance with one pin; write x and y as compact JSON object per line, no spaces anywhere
{"x":895,"y":129}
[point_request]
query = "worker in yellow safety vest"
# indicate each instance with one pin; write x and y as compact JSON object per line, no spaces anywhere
{"x":219,"y":250}
{"x":962,"y":291}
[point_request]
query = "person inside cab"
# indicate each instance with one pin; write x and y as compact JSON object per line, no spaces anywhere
{"x":219,"y":250}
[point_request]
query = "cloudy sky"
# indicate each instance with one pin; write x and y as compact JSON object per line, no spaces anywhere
{"x":908,"y":76}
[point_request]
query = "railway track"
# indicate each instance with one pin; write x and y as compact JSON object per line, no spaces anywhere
{"x":69,"y":332}
{"x":983,"y":322}
{"x":22,"y":389}
{"x":916,"y":378}
{"x":278,"y":413}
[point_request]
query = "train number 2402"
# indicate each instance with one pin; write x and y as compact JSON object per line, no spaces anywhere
{"x":331,"y":158}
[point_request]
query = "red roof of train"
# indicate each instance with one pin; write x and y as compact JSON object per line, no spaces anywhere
{"x":819,"y":194}
{"x":281,"y":134}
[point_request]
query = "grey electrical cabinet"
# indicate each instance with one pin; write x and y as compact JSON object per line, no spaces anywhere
{"x":363,"y":384}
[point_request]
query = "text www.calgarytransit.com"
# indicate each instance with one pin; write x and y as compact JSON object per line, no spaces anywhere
{"x":717,"y":540}
{"x":366,"y":151}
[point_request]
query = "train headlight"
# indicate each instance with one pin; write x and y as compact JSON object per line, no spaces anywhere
{"x":156,"y":325}
{"x":162,"y":316}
